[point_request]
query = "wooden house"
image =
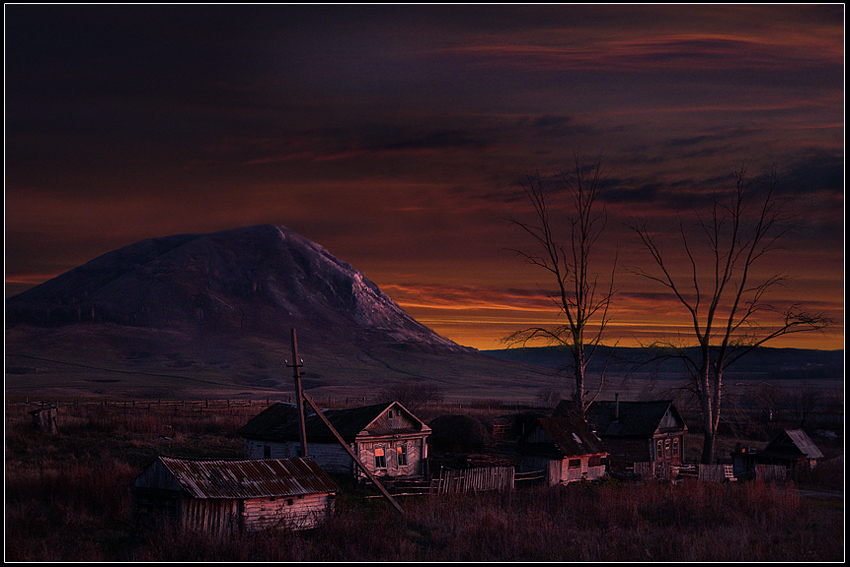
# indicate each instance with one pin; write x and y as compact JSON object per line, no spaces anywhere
{"x":228,"y":497}
{"x":565,"y":447}
{"x":388,"y":439}
{"x":638,"y":431}
{"x":791,"y":448}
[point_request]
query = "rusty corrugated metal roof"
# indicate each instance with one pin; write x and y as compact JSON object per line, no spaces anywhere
{"x":250,"y":478}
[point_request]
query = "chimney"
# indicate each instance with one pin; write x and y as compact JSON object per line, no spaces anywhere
{"x":616,"y":406}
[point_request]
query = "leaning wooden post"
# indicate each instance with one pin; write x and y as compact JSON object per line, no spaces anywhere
{"x":350,"y":452}
{"x":299,"y":394}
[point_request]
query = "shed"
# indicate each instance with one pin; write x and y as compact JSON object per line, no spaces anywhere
{"x":638,"y":431}
{"x":791,"y":448}
{"x":565,"y":447}
{"x":227,"y":497}
{"x":387,"y":438}
{"x":44,"y":419}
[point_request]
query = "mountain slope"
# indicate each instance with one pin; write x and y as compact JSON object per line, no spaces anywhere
{"x":257,"y":280}
{"x":200,"y":312}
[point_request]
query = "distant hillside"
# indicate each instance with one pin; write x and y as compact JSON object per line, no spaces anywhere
{"x":765,"y":362}
{"x":200,"y":313}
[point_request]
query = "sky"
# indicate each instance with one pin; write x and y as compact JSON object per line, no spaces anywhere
{"x":398,"y":137}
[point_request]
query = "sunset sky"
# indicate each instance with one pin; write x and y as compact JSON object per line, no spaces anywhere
{"x":396,"y":137}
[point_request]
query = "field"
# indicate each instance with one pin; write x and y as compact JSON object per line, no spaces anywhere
{"x":67,"y":499}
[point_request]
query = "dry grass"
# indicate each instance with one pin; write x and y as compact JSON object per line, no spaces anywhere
{"x":67,"y":499}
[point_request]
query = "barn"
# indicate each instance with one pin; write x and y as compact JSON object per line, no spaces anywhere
{"x":638,"y":431}
{"x":387,"y":438}
{"x":228,"y":497}
{"x":565,"y":447}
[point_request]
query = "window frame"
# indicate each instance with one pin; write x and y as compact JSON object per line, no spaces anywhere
{"x":380,"y":459}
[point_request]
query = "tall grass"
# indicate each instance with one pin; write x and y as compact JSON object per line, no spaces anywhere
{"x":67,"y":499}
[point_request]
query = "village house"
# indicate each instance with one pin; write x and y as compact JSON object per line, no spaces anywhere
{"x":637,"y":431}
{"x":791,"y":449}
{"x":229,"y":497}
{"x":388,"y":439}
{"x":565,"y":447}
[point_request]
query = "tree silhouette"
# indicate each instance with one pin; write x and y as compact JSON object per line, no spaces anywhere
{"x":564,"y":247}
{"x":723,"y":295}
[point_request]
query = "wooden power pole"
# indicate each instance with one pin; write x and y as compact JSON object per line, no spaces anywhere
{"x":299,"y":394}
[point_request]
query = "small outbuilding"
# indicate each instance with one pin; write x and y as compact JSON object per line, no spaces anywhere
{"x":791,"y":448}
{"x":228,"y":497}
{"x":387,"y":438}
{"x":565,"y":447}
{"x":638,"y":431}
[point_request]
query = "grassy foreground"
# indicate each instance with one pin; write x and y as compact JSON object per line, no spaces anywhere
{"x":67,"y":499}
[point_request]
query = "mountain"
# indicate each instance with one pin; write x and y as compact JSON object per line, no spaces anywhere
{"x":260,"y":280}
{"x":193,"y":312}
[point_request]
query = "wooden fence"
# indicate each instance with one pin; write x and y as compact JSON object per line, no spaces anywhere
{"x":771,"y":472}
{"x":706,"y":473}
{"x":476,"y":480}
{"x":716,"y":473}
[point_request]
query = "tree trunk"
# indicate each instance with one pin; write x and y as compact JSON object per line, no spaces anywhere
{"x":708,"y":447}
{"x":578,"y":395}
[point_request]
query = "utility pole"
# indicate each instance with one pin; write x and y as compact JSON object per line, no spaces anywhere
{"x":296,"y":365}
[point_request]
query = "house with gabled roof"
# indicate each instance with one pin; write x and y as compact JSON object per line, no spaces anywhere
{"x":637,"y":431}
{"x":224,"y":497}
{"x":387,"y":438}
{"x":565,"y":447}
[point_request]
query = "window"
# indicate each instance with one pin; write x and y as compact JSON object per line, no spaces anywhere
{"x":267,"y":452}
{"x":402,"y":455}
{"x":667,"y":448}
{"x":380,"y":458}
{"x":676,"y":448}
{"x":575,"y":463}
{"x":659,"y":450}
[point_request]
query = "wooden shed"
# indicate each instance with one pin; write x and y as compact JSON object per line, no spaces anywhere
{"x":227,"y":497}
{"x":388,"y":439}
{"x":791,"y":448}
{"x":638,"y":431}
{"x":565,"y":447}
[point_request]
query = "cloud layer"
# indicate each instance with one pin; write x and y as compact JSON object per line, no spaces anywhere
{"x":396,"y":136}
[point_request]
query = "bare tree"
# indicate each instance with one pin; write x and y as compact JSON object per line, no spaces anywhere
{"x":722,"y":292}
{"x":563,"y":248}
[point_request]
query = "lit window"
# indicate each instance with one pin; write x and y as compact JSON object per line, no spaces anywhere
{"x":380,"y":458}
{"x":402,"y":455}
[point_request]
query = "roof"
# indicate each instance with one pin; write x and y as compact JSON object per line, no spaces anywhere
{"x":794,"y":443}
{"x":635,"y":419}
{"x":247,"y":478}
{"x":279,"y":422}
{"x":567,"y":436}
